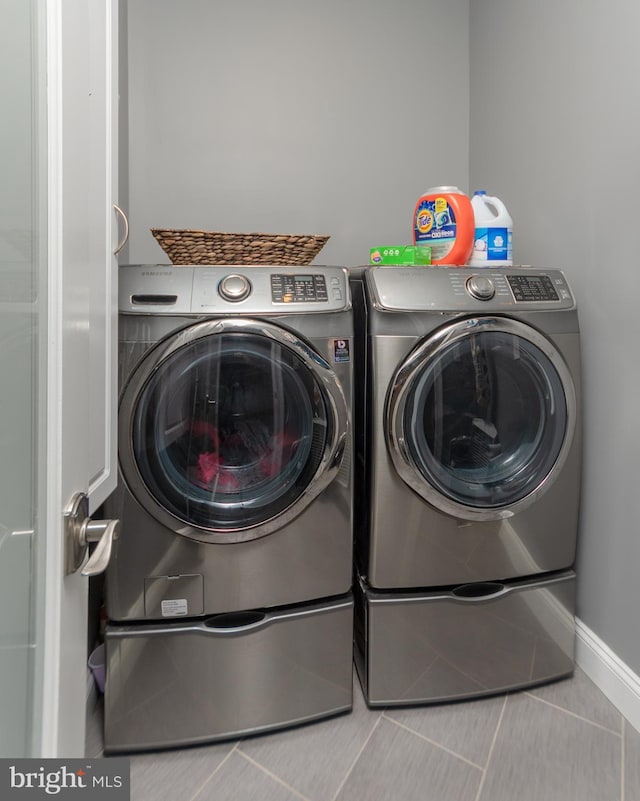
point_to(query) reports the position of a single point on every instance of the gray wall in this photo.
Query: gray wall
(294, 116)
(555, 132)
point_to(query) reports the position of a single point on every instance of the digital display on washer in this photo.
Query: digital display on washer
(532, 287)
(303, 288)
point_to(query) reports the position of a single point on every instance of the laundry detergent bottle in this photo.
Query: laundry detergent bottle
(443, 219)
(492, 242)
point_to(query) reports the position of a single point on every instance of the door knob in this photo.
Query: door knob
(80, 530)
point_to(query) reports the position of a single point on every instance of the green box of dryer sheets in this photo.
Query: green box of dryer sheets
(400, 255)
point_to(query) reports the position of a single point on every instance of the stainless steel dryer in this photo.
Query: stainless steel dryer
(470, 454)
(229, 589)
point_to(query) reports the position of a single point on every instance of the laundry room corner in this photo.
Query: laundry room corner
(562, 151)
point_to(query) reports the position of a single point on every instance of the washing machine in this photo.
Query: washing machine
(468, 463)
(228, 593)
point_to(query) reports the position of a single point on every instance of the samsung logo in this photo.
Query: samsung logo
(154, 272)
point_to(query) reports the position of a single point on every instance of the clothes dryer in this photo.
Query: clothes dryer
(228, 592)
(469, 454)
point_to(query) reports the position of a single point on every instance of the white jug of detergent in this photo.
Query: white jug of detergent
(492, 241)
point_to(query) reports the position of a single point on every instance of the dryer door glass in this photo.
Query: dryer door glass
(485, 419)
(229, 430)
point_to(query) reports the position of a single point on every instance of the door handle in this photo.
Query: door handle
(80, 530)
(125, 237)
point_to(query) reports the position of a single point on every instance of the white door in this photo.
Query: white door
(58, 281)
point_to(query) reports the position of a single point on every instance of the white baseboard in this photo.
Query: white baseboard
(609, 673)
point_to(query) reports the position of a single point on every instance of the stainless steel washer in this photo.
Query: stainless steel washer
(235, 499)
(469, 452)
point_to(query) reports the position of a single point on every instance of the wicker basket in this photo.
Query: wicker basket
(212, 247)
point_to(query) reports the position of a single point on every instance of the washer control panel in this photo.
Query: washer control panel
(299, 288)
(233, 289)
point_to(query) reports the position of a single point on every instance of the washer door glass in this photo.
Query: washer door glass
(483, 416)
(229, 430)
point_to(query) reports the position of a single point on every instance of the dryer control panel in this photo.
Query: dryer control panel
(529, 288)
(468, 289)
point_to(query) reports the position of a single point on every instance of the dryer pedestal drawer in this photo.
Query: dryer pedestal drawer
(226, 676)
(477, 639)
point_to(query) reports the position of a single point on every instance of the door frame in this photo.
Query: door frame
(77, 295)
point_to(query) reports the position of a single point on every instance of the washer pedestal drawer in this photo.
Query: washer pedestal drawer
(226, 676)
(474, 640)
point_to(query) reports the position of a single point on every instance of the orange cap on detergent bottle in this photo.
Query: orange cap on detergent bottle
(443, 219)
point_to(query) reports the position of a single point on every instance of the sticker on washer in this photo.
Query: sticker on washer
(175, 607)
(341, 350)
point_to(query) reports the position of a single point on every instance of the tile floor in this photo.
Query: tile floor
(560, 742)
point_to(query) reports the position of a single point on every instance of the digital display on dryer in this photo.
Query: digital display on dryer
(532, 288)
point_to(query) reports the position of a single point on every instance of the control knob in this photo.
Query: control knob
(480, 288)
(234, 288)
